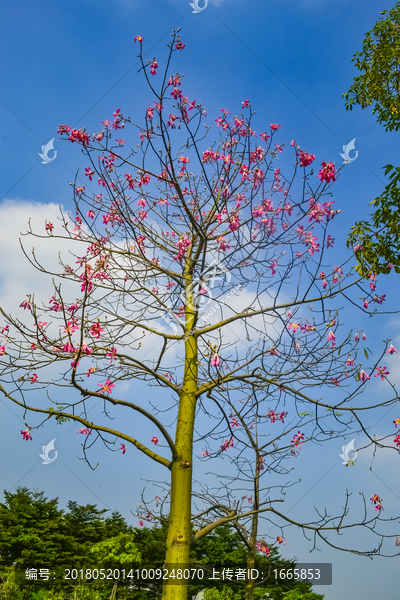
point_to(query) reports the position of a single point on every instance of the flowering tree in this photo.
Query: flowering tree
(210, 285)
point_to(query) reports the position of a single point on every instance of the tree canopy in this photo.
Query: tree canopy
(377, 242)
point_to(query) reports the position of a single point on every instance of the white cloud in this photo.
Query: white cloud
(17, 276)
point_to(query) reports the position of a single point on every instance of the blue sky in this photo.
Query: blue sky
(76, 63)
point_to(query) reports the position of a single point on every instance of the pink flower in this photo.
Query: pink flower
(68, 347)
(112, 354)
(261, 461)
(90, 371)
(95, 330)
(357, 337)
(49, 227)
(85, 431)
(391, 350)
(215, 361)
(297, 439)
(154, 439)
(274, 127)
(305, 159)
(382, 372)
(89, 173)
(86, 349)
(375, 499)
(227, 444)
(328, 172)
(70, 327)
(25, 434)
(180, 46)
(139, 39)
(106, 388)
(364, 376)
(397, 421)
(281, 540)
(2, 350)
(206, 453)
(34, 378)
(262, 546)
(331, 337)
(25, 304)
(397, 440)
(123, 448)
(140, 523)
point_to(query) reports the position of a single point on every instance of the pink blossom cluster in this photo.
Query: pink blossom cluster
(227, 444)
(328, 172)
(183, 244)
(305, 159)
(275, 417)
(75, 135)
(377, 501)
(297, 439)
(318, 211)
(262, 547)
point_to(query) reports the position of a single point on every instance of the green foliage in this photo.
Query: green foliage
(377, 242)
(9, 590)
(296, 595)
(225, 593)
(33, 530)
(117, 552)
(379, 63)
(49, 595)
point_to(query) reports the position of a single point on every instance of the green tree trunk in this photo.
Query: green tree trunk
(179, 530)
